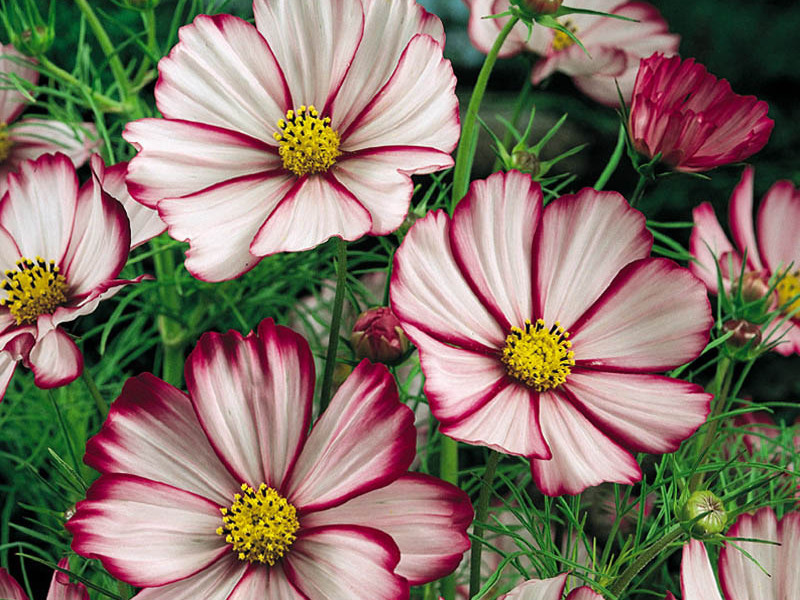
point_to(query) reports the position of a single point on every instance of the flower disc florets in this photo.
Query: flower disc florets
(539, 357)
(788, 290)
(35, 288)
(5, 142)
(260, 525)
(308, 144)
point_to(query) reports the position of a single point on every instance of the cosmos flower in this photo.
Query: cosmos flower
(61, 249)
(549, 589)
(60, 586)
(615, 46)
(305, 126)
(691, 118)
(225, 494)
(29, 138)
(770, 249)
(542, 343)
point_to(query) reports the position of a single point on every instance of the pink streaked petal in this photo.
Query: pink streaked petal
(152, 432)
(654, 316)
(741, 220)
(789, 334)
(582, 455)
(644, 413)
(779, 227)
(220, 223)
(708, 245)
(313, 42)
(8, 364)
(9, 588)
(379, 179)
(491, 237)
(223, 73)
(338, 461)
(603, 89)
(39, 209)
(34, 137)
(426, 517)
(12, 62)
(62, 589)
(345, 562)
(317, 208)
(260, 582)
(388, 28)
(740, 576)
(252, 395)
(146, 533)
(571, 271)
(606, 61)
(584, 593)
(538, 589)
(55, 359)
(177, 158)
(215, 582)
(429, 291)
(483, 31)
(416, 107)
(697, 578)
(788, 575)
(88, 304)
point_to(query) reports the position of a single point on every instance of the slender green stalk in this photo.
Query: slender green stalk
(639, 191)
(466, 145)
(65, 431)
(172, 333)
(94, 392)
(643, 560)
(481, 514)
(336, 319)
(613, 162)
(448, 471)
(103, 102)
(522, 100)
(722, 386)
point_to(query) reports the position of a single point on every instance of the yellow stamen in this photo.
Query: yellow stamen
(308, 144)
(35, 288)
(538, 357)
(788, 289)
(561, 40)
(5, 142)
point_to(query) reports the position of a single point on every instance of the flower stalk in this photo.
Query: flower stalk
(336, 319)
(481, 514)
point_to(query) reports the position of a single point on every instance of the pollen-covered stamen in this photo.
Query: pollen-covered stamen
(561, 40)
(537, 356)
(788, 290)
(260, 525)
(5, 141)
(35, 288)
(308, 143)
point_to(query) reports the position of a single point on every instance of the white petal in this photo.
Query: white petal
(708, 245)
(55, 359)
(215, 582)
(779, 226)
(34, 137)
(14, 63)
(741, 578)
(538, 589)
(697, 578)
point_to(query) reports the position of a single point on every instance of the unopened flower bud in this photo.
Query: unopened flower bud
(714, 516)
(377, 335)
(744, 333)
(753, 287)
(543, 7)
(525, 161)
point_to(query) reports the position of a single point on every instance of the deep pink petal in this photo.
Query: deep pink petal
(740, 577)
(741, 220)
(55, 359)
(147, 533)
(779, 227)
(697, 578)
(61, 588)
(426, 517)
(538, 589)
(216, 582)
(571, 271)
(9, 588)
(13, 62)
(338, 460)
(708, 245)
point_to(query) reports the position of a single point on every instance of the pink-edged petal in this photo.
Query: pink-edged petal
(13, 63)
(55, 359)
(215, 582)
(741, 220)
(253, 397)
(9, 588)
(388, 28)
(606, 61)
(538, 589)
(708, 245)
(342, 562)
(222, 73)
(379, 179)
(152, 431)
(429, 291)
(146, 533)
(654, 316)
(571, 271)
(788, 575)
(39, 209)
(426, 517)
(313, 211)
(34, 137)
(789, 334)
(220, 223)
(492, 236)
(697, 578)
(271, 583)
(644, 413)
(582, 455)
(314, 43)
(483, 30)
(61, 588)
(338, 461)
(584, 593)
(779, 227)
(177, 158)
(88, 304)
(416, 107)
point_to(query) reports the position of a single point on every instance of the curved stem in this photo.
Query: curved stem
(722, 385)
(103, 102)
(481, 513)
(639, 191)
(466, 145)
(613, 162)
(448, 471)
(336, 319)
(172, 333)
(642, 561)
(94, 392)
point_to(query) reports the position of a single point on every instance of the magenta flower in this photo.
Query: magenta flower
(61, 249)
(692, 118)
(278, 137)
(769, 570)
(29, 138)
(539, 330)
(549, 589)
(60, 586)
(225, 494)
(615, 46)
(771, 257)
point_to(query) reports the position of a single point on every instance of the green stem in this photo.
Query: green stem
(642, 560)
(466, 145)
(149, 22)
(65, 431)
(448, 471)
(722, 386)
(639, 191)
(94, 391)
(613, 162)
(481, 515)
(336, 319)
(172, 333)
(103, 102)
(508, 137)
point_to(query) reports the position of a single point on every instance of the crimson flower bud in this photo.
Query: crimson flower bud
(753, 287)
(377, 335)
(745, 333)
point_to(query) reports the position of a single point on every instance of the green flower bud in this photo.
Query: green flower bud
(714, 517)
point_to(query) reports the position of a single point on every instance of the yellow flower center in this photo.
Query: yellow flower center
(538, 357)
(788, 290)
(35, 288)
(561, 40)
(5, 142)
(308, 144)
(260, 524)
